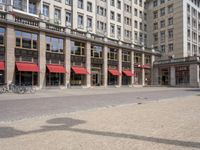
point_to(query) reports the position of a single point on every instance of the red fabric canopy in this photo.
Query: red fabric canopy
(128, 73)
(80, 70)
(56, 68)
(2, 65)
(114, 72)
(28, 67)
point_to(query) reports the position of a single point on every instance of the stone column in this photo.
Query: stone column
(42, 59)
(10, 54)
(155, 75)
(172, 76)
(132, 68)
(194, 75)
(143, 70)
(67, 62)
(152, 69)
(88, 64)
(105, 65)
(120, 67)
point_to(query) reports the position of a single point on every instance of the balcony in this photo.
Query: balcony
(27, 6)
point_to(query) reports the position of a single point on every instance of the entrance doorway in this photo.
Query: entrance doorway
(164, 76)
(96, 77)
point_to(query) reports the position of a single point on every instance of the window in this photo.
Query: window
(26, 40)
(170, 9)
(155, 26)
(119, 17)
(162, 11)
(2, 34)
(2, 1)
(80, 4)
(112, 15)
(54, 44)
(96, 51)
(112, 2)
(118, 31)
(155, 3)
(80, 21)
(162, 36)
(32, 7)
(77, 48)
(68, 2)
(171, 47)
(162, 1)
(112, 29)
(119, 4)
(89, 6)
(155, 14)
(162, 48)
(126, 56)
(170, 34)
(46, 10)
(89, 23)
(162, 24)
(112, 54)
(68, 18)
(57, 14)
(170, 21)
(155, 37)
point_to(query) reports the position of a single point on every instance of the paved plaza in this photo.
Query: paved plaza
(96, 119)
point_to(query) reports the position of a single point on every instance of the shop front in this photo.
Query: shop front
(55, 75)
(126, 77)
(2, 74)
(182, 75)
(78, 76)
(164, 76)
(26, 73)
(113, 76)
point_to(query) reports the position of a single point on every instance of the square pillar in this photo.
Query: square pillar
(42, 59)
(132, 68)
(155, 75)
(88, 64)
(194, 75)
(143, 70)
(120, 67)
(10, 55)
(172, 76)
(67, 51)
(105, 65)
(152, 69)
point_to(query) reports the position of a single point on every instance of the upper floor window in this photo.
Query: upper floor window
(54, 44)
(77, 48)
(162, 1)
(112, 2)
(96, 51)
(26, 40)
(46, 10)
(155, 3)
(162, 11)
(32, 7)
(80, 21)
(170, 9)
(68, 2)
(119, 4)
(57, 14)
(112, 54)
(80, 4)
(68, 18)
(126, 56)
(89, 6)
(3, 1)
(2, 34)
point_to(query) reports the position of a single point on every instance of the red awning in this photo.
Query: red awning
(128, 73)
(146, 66)
(80, 70)
(114, 72)
(27, 67)
(56, 68)
(2, 65)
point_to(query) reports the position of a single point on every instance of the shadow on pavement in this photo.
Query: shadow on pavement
(66, 124)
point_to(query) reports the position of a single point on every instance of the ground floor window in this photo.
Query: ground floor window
(77, 79)
(2, 77)
(54, 79)
(26, 78)
(147, 77)
(138, 76)
(182, 75)
(126, 80)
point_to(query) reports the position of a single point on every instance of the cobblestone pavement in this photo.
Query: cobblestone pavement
(48, 102)
(170, 124)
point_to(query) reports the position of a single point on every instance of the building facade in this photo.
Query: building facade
(174, 30)
(73, 43)
(96, 42)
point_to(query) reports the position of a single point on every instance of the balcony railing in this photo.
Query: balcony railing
(26, 21)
